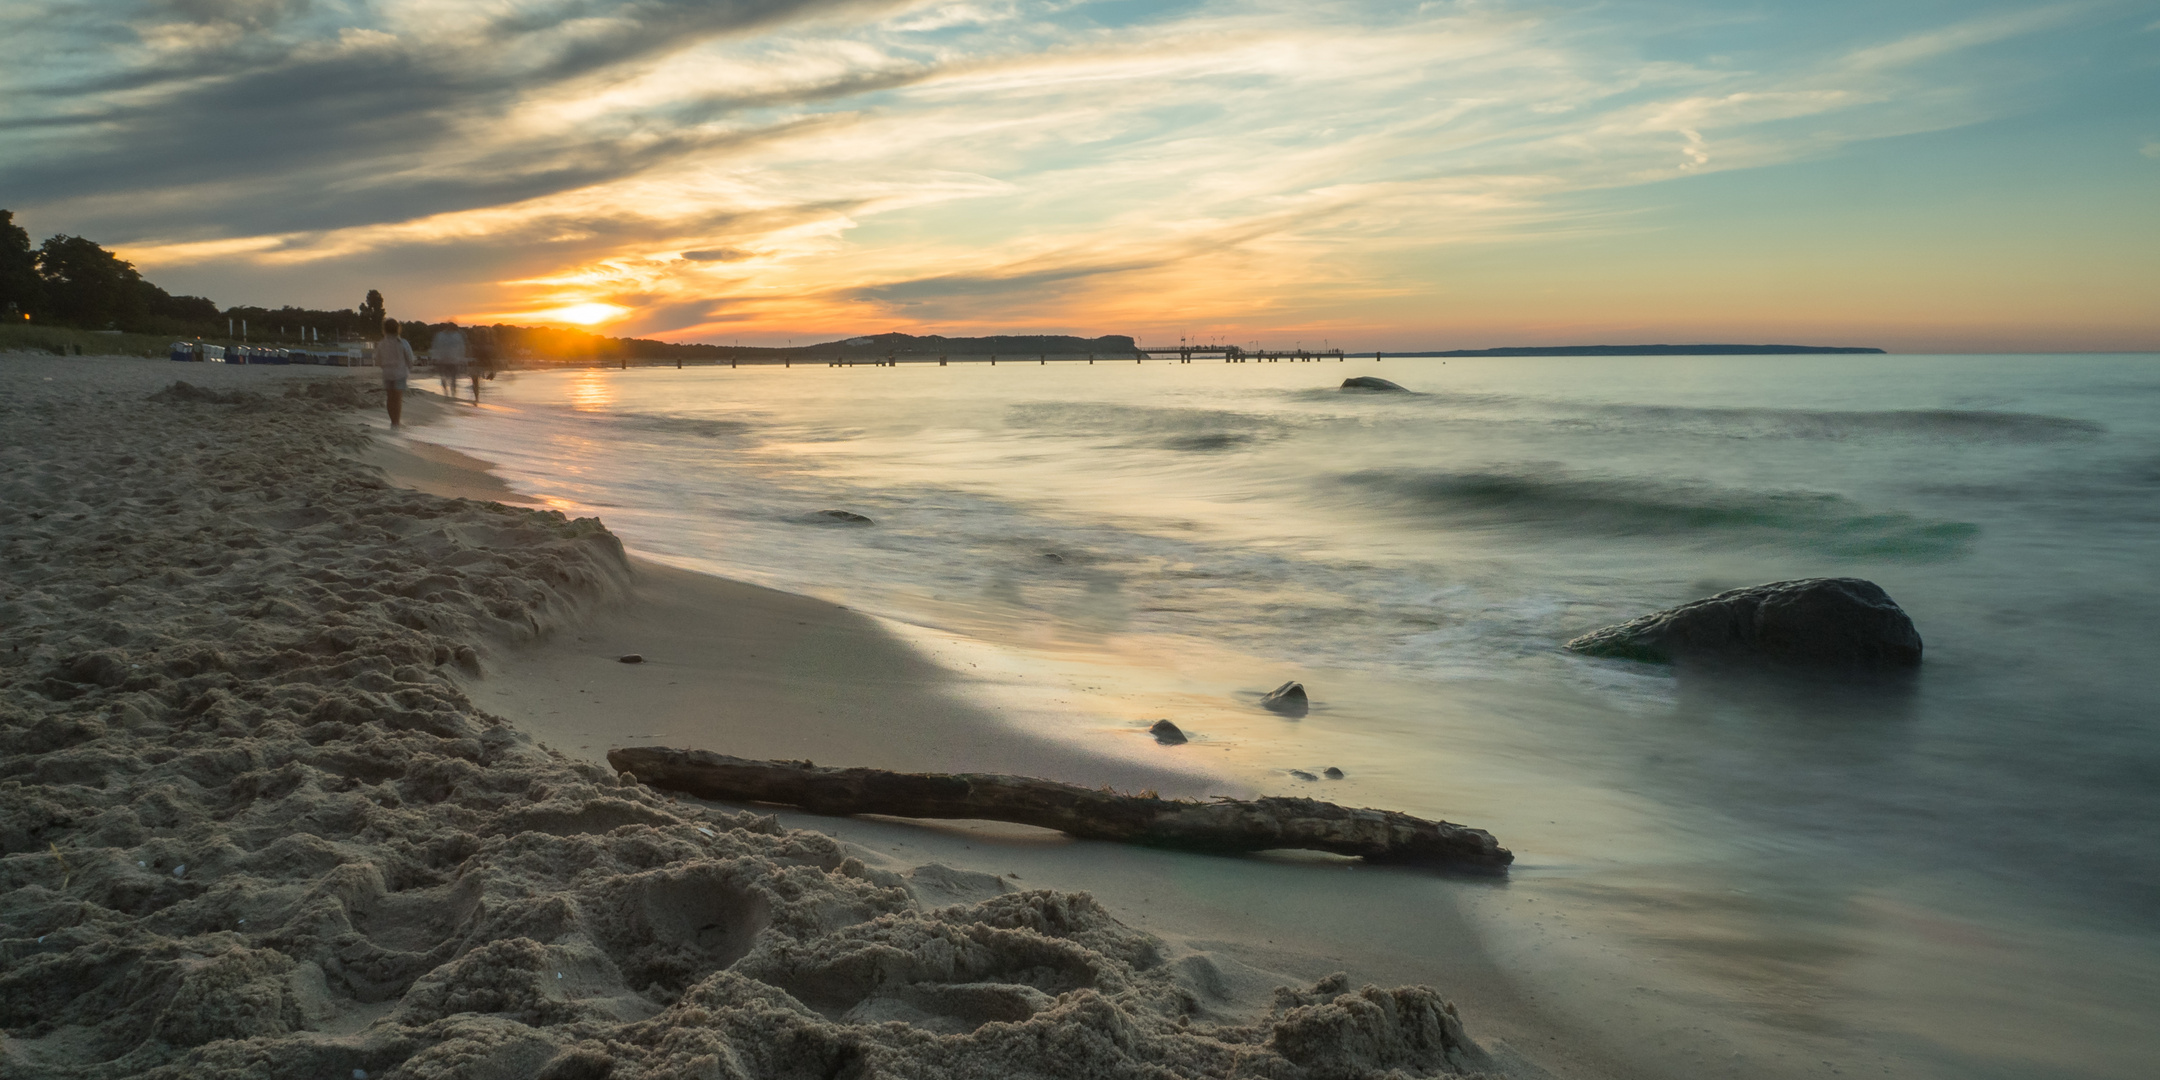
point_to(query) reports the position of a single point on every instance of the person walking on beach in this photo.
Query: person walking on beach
(448, 351)
(395, 359)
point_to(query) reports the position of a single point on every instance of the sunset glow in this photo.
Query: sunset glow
(1392, 176)
(582, 314)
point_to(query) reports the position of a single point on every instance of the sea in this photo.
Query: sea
(1953, 874)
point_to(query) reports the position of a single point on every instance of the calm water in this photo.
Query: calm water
(1955, 876)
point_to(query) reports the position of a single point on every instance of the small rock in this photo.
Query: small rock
(1332, 773)
(1303, 775)
(1053, 556)
(631, 658)
(1372, 382)
(1288, 699)
(1167, 733)
(841, 517)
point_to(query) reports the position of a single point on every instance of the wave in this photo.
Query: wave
(1189, 430)
(1967, 424)
(1975, 425)
(1610, 507)
(682, 425)
(1333, 392)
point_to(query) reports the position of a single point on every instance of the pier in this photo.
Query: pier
(1185, 353)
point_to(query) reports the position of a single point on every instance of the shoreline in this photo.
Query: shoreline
(746, 670)
(1285, 916)
(406, 869)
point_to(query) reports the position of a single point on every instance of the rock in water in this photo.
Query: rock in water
(841, 517)
(1167, 733)
(1372, 382)
(1288, 699)
(1820, 622)
(1332, 773)
(631, 658)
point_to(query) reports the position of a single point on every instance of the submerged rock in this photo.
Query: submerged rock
(841, 517)
(1820, 622)
(1303, 775)
(1167, 733)
(1372, 382)
(1289, 699)
(631, 658)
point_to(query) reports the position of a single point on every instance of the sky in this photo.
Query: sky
(1923, 176)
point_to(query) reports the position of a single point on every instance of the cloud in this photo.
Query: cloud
(785, 161)
(242, 14)
(370, 124)
(1962, 36)
(951, 286)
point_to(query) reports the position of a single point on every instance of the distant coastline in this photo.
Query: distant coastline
(1647, 350)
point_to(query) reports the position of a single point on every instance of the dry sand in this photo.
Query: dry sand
(251, 823)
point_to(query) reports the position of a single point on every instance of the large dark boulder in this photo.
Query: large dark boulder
(1288, 699)
(1372, 382)
(1813, 622)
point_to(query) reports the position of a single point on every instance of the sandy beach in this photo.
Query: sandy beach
(302, 776)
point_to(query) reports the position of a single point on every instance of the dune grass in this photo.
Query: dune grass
(67, 341)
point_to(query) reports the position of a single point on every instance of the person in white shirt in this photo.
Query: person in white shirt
(395, 358)
(448, 352)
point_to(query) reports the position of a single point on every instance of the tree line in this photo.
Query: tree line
(72, 281)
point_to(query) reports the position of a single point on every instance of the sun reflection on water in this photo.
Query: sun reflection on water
(591, 391)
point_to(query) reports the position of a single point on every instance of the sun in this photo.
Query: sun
(584, 314)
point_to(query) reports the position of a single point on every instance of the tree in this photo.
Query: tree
(21, 292)
(85, 285)
(372, 313)
(88, 286)
(191, 310)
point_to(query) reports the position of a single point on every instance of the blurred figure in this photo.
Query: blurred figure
(395, 360)
(486, 358)
(452, 361)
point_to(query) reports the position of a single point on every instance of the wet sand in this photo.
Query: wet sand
(753, 672)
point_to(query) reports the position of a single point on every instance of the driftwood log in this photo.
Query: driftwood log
(1225, 825)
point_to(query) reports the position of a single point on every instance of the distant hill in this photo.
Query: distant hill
(1646, 350)
(1000, 344)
